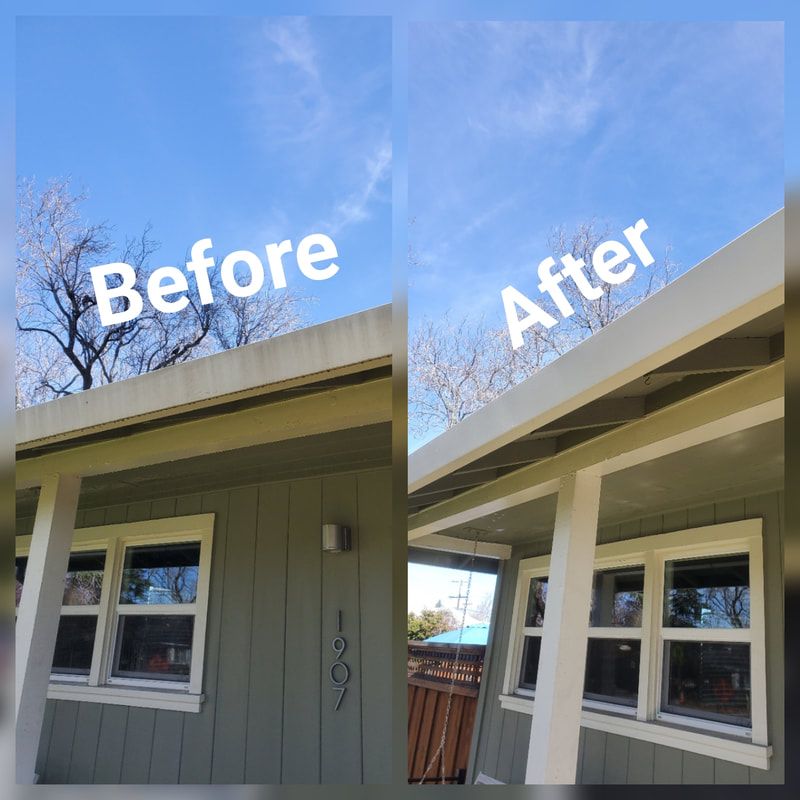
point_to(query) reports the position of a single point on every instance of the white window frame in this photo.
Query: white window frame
(100, 686)
(647, 721)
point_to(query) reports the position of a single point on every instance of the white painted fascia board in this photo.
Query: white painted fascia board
(738, 283)
(339, 347)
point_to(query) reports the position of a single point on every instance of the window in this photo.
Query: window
(675, 640)
(132, 627)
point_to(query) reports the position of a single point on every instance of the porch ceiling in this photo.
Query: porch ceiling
(744, 463)
(717, 322)
(338, 451)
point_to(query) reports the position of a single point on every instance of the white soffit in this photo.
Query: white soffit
(738, 283)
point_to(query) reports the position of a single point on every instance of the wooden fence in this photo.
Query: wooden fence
(432, 669)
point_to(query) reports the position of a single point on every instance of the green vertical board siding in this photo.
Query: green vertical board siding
(167, 742)
(61, 738)
(111, 744)
(667, 764)
(230, 720)
(138, 746)
(84, 747)
(640, 761)
(267, 641)
(375, 568)
(268, 637)
(198, 729)
(607, 758)
(340, 739)
(301, 677)
(594, 757)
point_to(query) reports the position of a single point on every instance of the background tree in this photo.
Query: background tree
(61, 345)
(430, 622)
(457, 366)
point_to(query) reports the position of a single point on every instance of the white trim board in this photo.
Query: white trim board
(736, 751)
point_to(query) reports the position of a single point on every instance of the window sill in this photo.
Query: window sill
(719, 746)
(125, 696)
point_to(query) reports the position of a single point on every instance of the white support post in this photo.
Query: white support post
(39, 612)
(555, 727)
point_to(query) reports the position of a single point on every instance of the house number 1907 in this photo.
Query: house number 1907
(339, 671)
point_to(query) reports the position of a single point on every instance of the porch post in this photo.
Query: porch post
(555, 728)
(39, 611)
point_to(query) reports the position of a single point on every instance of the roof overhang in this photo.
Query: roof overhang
(706, 347)
(325, 352)
(314, 381)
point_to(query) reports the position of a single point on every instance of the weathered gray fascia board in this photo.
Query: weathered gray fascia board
(738, 283)
(342, 346)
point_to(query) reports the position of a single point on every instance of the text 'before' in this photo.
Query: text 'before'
(168, 287)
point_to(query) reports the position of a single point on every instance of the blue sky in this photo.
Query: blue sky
(245, 130)
(518, 127)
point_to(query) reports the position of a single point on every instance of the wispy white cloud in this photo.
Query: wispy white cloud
(355, 207)
(293, 44)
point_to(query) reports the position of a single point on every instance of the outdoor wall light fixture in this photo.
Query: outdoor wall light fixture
(335, 538)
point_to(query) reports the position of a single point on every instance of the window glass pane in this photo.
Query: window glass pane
(537, 597)
(156, 647)
(612, 671)
(74, 645)
(709, 680)
(707, 593)
(162, 573)
(21, 564)
(84, 580)
(530, 662)
(617, 598)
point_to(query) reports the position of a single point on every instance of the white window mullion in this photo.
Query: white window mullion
(645, 706)
(102, 615)
(109, 632)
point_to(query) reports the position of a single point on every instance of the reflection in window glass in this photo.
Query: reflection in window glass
(157, 647)
(84, 581)
(709, 680)
(20, 565)
(530, 662)
(74, 644)
(612, 671)
(707, 593)
(537, 597)
(617, 598)
(160, 574)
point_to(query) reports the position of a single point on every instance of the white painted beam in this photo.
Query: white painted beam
(39, 612)
(556, 723)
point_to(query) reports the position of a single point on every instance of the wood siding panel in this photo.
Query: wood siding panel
(340, 731)
(167, 742)
(268, 637)
(233, 675)
(301, 680)
(375, 569)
